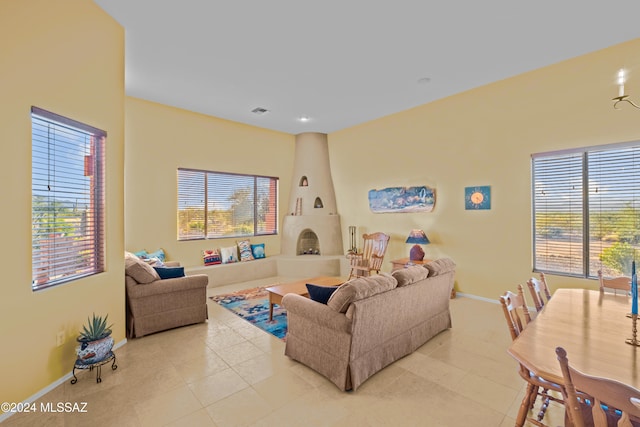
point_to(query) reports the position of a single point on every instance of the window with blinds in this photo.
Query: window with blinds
(67, 199)
(216, 205)
(585, 210)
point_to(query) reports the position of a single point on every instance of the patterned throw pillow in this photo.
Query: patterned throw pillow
(211, 257)
(244, 246)
(229, 254)
(258, 250)
(159, 255)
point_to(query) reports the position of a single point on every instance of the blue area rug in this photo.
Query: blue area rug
(253, 306)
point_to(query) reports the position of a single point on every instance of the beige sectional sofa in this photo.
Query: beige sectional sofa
(370, 322)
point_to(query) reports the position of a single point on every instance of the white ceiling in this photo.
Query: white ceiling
(344, 62)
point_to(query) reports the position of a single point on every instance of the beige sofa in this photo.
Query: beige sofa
(370, 322)
(155, 304)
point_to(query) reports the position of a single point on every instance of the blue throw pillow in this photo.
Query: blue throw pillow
(159, 254)
(170, 272)
(258, 250)
(320, 294)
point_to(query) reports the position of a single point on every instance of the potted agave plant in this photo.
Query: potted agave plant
(95, 340)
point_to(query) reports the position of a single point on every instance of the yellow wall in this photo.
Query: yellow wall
(66, 57)
(161, 139)
(483, 137)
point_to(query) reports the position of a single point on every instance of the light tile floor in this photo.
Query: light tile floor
(227, 372)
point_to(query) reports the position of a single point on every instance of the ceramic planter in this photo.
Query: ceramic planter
(94, 351)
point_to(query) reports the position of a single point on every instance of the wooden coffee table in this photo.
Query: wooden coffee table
(276, 292)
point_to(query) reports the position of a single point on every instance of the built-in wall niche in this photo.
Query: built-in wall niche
(304, 182)
(318, 203)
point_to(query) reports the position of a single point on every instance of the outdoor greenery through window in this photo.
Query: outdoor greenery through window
(214, 205)
(67, 199)
(586, 213)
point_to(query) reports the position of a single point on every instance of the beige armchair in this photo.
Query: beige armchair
(155, 304)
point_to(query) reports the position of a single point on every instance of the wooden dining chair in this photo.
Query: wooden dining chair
(515, 311)
(598, 402)
(517, 316)
(620, 283)
(539, 291)
(370, 259)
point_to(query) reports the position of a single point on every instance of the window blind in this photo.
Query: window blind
(67, 199)
(217, 205)
(585, 210)
(614, 223)
(558, 214)
(266, 205)
(191, 203)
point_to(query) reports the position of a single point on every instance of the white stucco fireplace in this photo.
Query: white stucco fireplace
(311, 227)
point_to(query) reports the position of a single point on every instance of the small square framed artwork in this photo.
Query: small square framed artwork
(476, 198)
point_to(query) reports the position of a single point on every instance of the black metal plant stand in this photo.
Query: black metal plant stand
(98, 365)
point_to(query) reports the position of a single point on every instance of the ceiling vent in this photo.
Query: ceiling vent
(259, 111)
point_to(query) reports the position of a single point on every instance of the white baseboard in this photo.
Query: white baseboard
(53, 385)
(494, 301)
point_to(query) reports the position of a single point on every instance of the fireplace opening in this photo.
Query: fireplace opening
(308, 243)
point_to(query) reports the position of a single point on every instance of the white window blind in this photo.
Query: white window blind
(191, 203)
(67, 199)
(585, 210)
(614, 197)
(216, 205)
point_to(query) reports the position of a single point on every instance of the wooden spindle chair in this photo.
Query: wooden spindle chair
(539, 291)
(517, 316)
(370, 259)
(595, 401)
(620, 283)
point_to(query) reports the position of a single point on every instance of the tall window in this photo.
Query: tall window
(586, 210)
(67, 199)
(214, 204)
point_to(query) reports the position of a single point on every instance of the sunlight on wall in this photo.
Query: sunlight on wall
(482, 137)
(161, 139)
(66, 57)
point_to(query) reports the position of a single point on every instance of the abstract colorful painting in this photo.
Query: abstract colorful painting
(402, 199)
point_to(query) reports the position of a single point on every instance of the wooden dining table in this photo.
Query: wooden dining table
(592, 327)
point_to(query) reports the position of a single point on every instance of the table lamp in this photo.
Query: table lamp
(419, 238)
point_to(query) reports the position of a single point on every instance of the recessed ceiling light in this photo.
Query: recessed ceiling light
(424, 80)
(303, 119)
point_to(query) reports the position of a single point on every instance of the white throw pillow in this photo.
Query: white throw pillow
(229, 254)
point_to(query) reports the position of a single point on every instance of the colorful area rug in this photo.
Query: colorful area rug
(253, 306)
